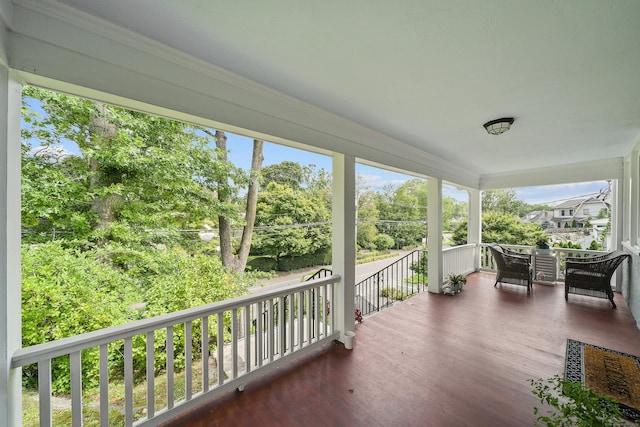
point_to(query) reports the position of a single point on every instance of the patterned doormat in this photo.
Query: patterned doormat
(607, 372)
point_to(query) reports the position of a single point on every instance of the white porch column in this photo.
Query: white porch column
(616, 214)
(344, 238)
(633, 198)
(474, 228)
(434, 239)
(10, 294)
(616, 227)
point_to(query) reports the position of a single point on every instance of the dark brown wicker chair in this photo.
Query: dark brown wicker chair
(592, 276)
(513, 267)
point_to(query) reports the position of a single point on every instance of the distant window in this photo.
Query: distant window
(562, 212)
(570, 211)
(585, 211)
(559, 225)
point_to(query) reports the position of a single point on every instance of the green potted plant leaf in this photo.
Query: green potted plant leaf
(568, 403)
(456, 281)
(542, 245)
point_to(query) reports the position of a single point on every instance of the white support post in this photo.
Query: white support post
(434, 239)
(633, 199)
(616, 227)
(10, 289)
(474, 229)
(344, 239)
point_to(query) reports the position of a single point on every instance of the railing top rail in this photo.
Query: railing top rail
(64, 346)
(553, 249)
(458, 247)
(580, 251)
(506, 245)
(326, 271)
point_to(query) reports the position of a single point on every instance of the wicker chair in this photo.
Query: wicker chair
(513, 267)
(592, 276)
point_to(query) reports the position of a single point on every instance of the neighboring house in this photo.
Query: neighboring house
(575, 213)
(543, 218)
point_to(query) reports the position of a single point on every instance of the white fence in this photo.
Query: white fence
(216, 348)
(458, 260)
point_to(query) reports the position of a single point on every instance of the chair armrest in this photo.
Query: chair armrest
(517, 262)
(509, 252)
(597, 266)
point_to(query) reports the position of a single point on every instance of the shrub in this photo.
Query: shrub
(594, 246)
(422, 265)
(262, 263)
(66, 292)
(395, 294)
(298, 262)
(384, 242)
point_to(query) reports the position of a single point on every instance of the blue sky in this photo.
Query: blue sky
(241, 147)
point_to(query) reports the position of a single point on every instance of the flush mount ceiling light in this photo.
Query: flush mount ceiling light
(496, 127)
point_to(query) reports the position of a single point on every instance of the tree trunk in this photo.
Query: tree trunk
(238, 261)
(224, 196)
(102, 133)
(252, 202)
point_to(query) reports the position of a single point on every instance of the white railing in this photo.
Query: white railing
(215, 348)
(458, 260)
(561, 254)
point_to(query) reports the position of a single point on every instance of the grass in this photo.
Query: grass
(61, 412)
(395, 294)
(417, 279)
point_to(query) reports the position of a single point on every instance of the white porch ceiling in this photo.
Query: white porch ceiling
(429, 73)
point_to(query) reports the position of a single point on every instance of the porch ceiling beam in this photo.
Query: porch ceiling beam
(577, 172)
(47, 37)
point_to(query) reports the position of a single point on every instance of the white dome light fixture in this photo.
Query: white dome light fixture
(499, 126)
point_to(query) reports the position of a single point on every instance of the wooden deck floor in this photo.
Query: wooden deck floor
(433, 360)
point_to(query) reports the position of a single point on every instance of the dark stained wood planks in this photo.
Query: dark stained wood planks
(433, 360)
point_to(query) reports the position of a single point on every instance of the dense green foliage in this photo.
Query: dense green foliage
(568, 245)
(134, 172)
(501, 211)
(501, 228)
(401, 214)
(570, 404)
(67, 290)
(294, 222)
(106, 231)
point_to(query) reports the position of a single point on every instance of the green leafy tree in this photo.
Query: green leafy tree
(500, 228)
(293, 223)
(503, 201)
(368, 216)
(235, 259)
(453, 211)
(403, 212)
(290, 174)
(55, 203)
(135, 172)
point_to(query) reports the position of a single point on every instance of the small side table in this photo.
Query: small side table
(544, 268)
